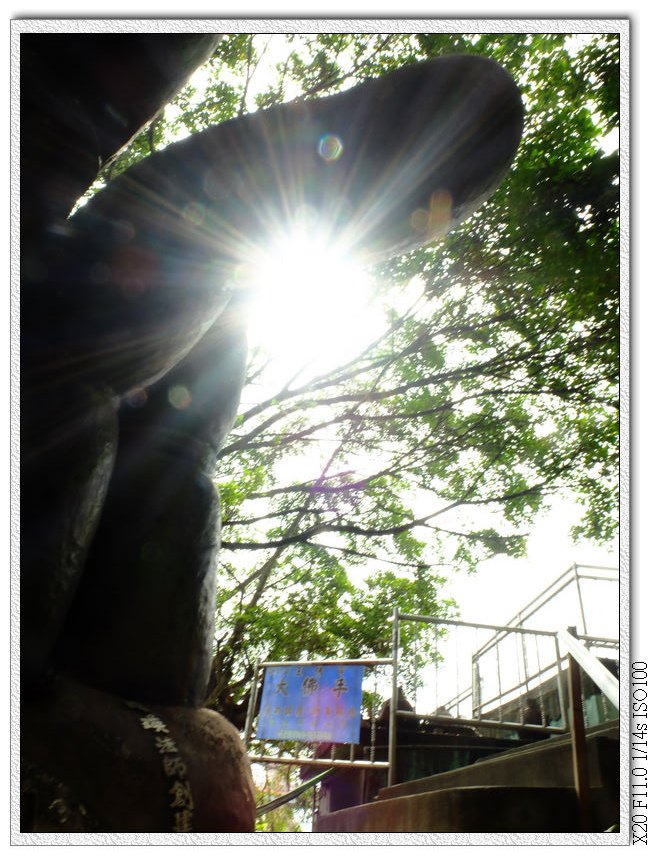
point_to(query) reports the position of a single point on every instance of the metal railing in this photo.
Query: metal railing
(570, 581)
(478, 717)
(570, 652)
(574, 658)
(597, 672)
(579, 658)
(293, 794)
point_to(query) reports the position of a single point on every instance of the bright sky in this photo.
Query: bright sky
(502, 585)
(313, 303)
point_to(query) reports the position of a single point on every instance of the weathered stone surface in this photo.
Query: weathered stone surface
(93, 761)
(464, 809)
(83, 97)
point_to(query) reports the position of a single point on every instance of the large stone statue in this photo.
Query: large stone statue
(133, 353)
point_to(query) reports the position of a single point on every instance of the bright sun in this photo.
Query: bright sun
(311, 301)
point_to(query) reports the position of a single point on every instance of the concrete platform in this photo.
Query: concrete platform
(529, 789)
(463, 809)
(542, 764)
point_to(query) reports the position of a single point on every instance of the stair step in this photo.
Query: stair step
(484, 809)
(544, 764)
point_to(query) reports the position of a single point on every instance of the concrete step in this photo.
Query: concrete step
(464, 809)
(542, 764)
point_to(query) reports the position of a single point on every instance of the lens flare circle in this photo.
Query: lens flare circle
(179, 397)
(330, 147)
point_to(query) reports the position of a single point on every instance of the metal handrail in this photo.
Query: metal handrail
(487, 705)
(446, 721)
(318, 761)
(498, 631)
(434, 620)
(293, 794)
(596, 671)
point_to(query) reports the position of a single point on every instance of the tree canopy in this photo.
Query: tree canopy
(491, 384)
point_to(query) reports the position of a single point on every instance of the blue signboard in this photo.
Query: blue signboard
(311, 703)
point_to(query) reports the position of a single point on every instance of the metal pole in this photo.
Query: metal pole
(392, 722)
(373, 719)
(579, 743)
(524, 655)
(596, 671)
(580, 603)
(325, 662)
(456, 630)
(434, 620)
(312, 761)
(560, 689)
(499, 683)
(251, 704)
(539, 682)
(437, 664)
(293, 794)
(446, 720)
(477, 696)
